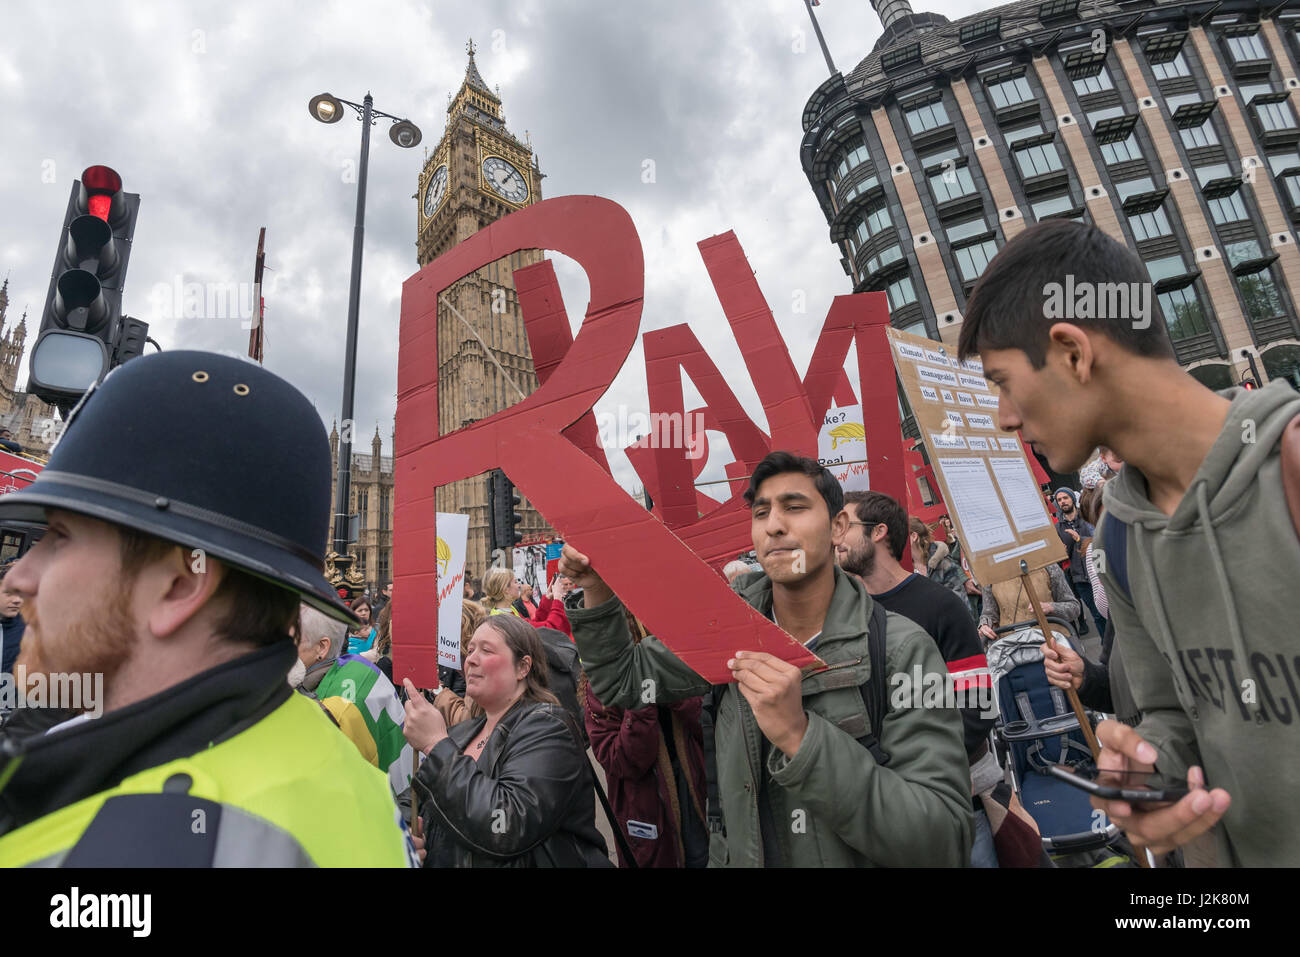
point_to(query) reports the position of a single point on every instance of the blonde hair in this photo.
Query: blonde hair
(495, 583)
(472, 614)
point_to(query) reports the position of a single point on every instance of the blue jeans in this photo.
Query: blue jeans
(982, 852)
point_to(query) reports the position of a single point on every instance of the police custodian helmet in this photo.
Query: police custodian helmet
(208, 451)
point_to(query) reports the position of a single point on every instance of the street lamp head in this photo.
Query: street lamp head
(405, 134)
(325, 108)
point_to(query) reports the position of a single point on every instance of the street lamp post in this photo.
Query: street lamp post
(329, 109)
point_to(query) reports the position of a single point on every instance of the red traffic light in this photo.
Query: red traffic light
(101, 184)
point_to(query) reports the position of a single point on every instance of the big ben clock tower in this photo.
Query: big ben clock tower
(478, 173)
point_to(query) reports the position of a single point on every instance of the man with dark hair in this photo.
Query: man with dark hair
(797, 785)
(873, 549)
(166, 578)
(1199, 544)
(1072, 529)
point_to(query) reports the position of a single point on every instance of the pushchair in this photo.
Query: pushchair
(1036, 728)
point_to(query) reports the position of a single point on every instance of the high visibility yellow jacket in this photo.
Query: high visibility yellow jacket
(288, 791)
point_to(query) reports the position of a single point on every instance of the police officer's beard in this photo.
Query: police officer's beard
(98, 644)
(860, 561)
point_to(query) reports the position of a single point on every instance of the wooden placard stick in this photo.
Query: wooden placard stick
(1050, 641)
(1070, 693)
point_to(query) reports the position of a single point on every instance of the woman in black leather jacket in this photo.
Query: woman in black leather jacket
(510, 787)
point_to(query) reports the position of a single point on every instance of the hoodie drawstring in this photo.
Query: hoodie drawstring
(1166, 644)
(1234, 623)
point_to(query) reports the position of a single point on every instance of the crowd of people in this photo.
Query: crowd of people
(158, 572)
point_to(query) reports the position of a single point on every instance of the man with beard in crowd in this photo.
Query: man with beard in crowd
(1072, 529)
(163, 573)
(872, 550)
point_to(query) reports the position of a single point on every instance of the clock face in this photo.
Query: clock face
(435, 191)
(505, 179)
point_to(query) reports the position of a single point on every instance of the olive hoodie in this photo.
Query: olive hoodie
(831, 805)
(1208, 625)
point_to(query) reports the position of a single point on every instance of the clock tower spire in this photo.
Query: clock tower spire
(478, 173)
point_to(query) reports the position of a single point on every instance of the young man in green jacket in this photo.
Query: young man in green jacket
(1200, 555)
(797, 788)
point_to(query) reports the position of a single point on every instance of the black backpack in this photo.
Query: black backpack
(874, 699)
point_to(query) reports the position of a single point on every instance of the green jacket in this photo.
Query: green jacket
(1207, 625)
(832, 804)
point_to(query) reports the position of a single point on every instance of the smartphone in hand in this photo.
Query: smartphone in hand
(1115, 789)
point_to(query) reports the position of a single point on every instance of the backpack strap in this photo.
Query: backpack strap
(1115, 547)
(873, 690)
(709, 719)
(1291, 470)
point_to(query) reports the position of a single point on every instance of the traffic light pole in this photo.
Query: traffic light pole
(344, 483)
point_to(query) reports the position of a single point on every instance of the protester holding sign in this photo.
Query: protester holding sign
(1199, 529)
(810, 791)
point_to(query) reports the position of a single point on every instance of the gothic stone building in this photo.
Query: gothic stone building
(27, 417)
(478, 173)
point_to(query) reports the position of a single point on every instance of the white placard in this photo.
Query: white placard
(984, 524)
(937, 356)
(955, 418)
(937, 376)
(972, 381)
(910, 352)
(842, 447)
(1020, 492)
(453, 530)
(972, 365)
(965, 398)
(947, 396)
(943, 440)
(986, 401)
(977, 444)
(1010, 445)
(929, 394)
(981, 421)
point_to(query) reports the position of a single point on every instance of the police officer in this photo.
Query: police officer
(186, 508)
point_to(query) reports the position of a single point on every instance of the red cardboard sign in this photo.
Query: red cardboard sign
(705, 623)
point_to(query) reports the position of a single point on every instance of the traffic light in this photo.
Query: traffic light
(503, 501)
(82, 329)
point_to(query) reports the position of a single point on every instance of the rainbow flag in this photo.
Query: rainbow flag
(355, 679)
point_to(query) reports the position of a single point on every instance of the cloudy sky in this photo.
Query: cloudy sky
(202, 109)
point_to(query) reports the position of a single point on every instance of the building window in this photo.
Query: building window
(1243, 49)
(1121, 152)
(1275, 116)
(928, 116)
(965, 230)
(939, 157)
(1150, 225)
(1184, 314)
(1010, 92)
(1248, 91)
(1197, 136)
(952, 183)
(385, 496)
(1166, 267)
(1037, 160)
(363, 500)
(383, 568)
(1227, 209)
(1047, 208)
(879, 261)
(1258, 290)
(1134, 187)
(972, 259)
(1174, 68)
(1093, 84)
(900, 292)
(917, 329)
(858, 189)
(1207, 174)
(1022, 133)
(854, 156)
